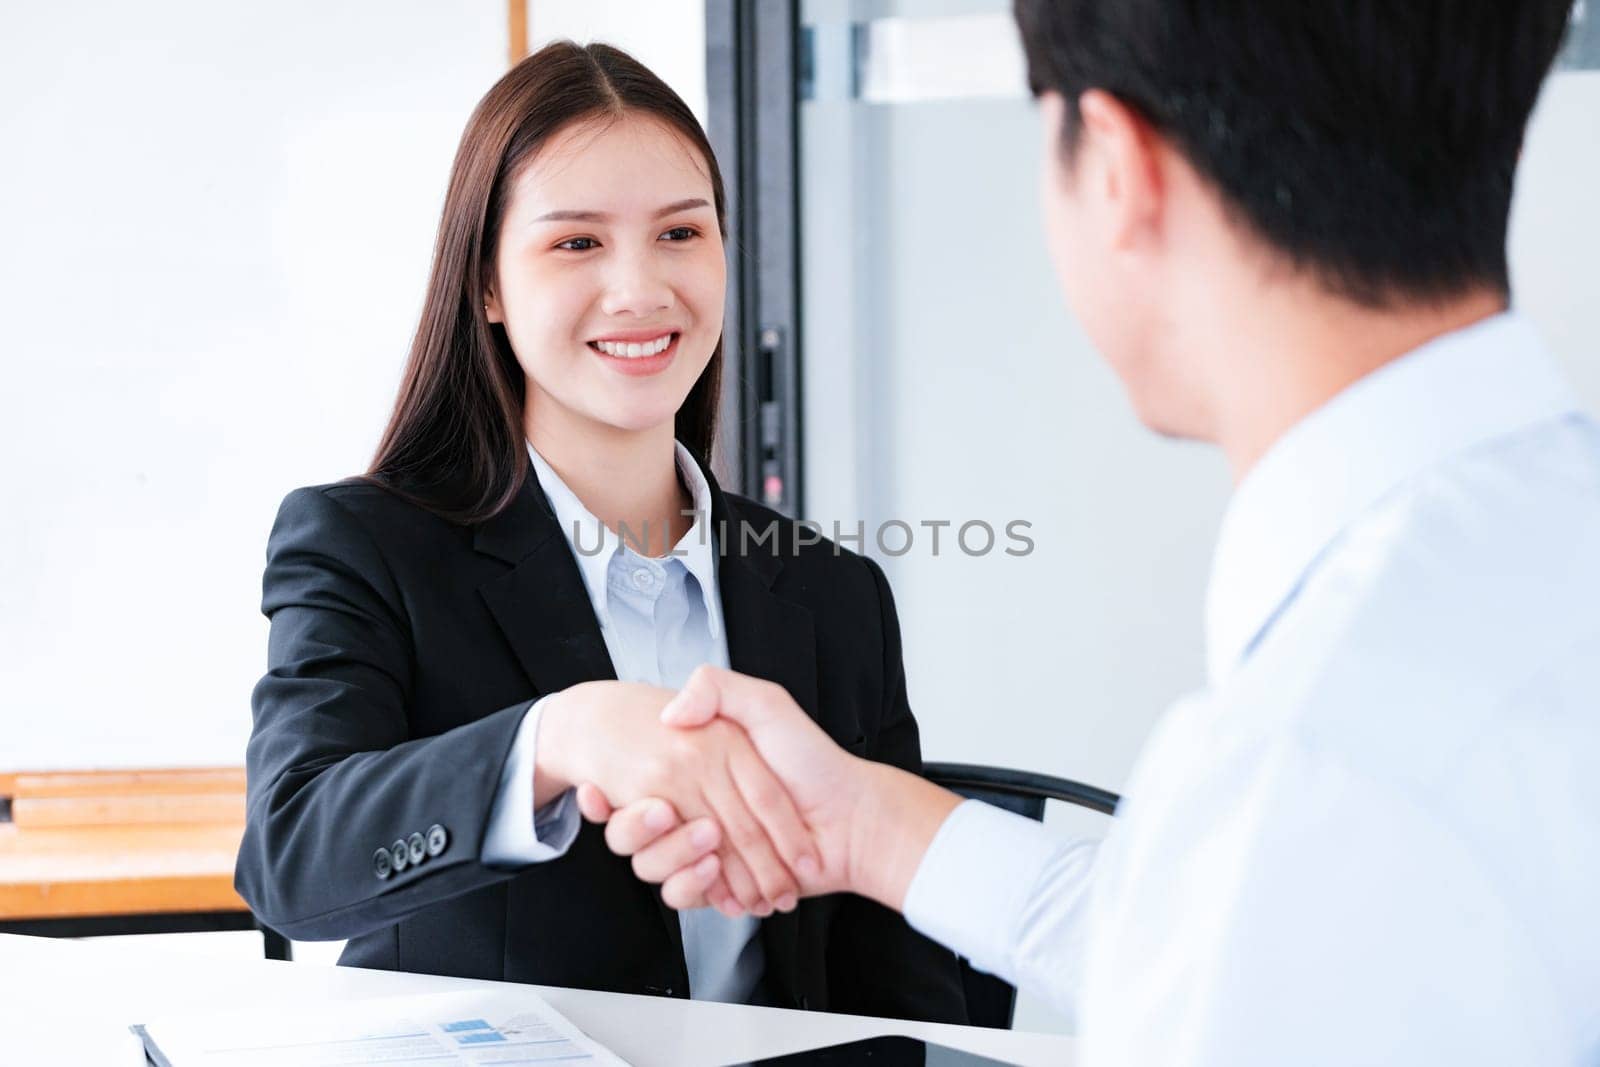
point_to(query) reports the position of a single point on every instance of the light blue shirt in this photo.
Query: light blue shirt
(1375, 836)
(661, 618)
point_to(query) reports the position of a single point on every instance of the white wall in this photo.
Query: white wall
(1555, 225)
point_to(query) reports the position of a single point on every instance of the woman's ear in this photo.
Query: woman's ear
(491, 307)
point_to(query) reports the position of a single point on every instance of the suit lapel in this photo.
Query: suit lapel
(543, 608)
(541, 604)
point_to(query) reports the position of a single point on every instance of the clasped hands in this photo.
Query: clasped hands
(725, 792)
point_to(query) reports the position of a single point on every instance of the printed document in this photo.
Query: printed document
(469, 1028)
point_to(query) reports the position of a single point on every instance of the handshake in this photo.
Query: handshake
(728, 795)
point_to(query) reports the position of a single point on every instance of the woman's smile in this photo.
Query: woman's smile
(637, 353)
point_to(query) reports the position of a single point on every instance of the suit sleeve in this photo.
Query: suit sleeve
(877, 964)
(334, 775)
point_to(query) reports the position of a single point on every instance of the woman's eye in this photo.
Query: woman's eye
(680, 233)
(579, 244)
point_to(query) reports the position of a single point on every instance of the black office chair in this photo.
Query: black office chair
(991, 1001)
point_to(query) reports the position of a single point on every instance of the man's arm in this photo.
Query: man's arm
(1010, 896)
(995, 887)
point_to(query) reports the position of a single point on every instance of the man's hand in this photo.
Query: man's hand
(610, 735)
(871, 823)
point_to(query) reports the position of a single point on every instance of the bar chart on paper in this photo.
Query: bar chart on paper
(468, 1029)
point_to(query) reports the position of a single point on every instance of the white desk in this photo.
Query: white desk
(55, 991)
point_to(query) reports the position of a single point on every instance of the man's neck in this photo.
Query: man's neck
(1283, 362)
(626, 479)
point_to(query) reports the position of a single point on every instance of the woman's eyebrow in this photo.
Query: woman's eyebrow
(571, 215)
(681, 205)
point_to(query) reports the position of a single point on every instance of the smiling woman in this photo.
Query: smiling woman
(548, 166)
(610, 288)
(498, 610)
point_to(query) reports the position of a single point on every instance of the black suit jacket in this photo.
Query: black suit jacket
(405, 650)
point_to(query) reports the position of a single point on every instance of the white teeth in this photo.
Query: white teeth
(635, 351)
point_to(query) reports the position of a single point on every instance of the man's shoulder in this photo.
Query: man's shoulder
(1491, 553)
(1465, 604)
(1494, 550)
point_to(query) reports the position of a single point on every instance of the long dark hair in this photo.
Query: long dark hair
(455, 441)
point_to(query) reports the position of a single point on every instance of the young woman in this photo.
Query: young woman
(539, 520)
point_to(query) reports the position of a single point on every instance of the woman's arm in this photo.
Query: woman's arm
(333, 775)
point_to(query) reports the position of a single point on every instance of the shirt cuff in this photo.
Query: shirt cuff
(517, 834)
(975, 883)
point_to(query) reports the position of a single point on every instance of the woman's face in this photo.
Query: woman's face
(610, 276)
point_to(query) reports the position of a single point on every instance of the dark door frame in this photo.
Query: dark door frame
(752, 59)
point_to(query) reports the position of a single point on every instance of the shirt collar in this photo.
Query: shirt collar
(594, 545)
(699, 550)
(1457, 390)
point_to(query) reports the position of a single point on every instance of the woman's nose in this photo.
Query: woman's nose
(635, 286)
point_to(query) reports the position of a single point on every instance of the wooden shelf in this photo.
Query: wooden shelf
(87, 843)
(55, 873)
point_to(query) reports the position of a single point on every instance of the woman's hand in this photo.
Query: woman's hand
(610, 735)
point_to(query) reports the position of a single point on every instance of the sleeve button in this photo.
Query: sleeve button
(438, 839)
(399, 856)
(381, 868)
(417, 848)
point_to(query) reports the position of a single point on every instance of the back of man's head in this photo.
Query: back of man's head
(1371, 142)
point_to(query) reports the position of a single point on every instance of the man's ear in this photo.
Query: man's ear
(1120, 166)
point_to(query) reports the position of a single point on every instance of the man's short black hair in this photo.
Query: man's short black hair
(1373, 142)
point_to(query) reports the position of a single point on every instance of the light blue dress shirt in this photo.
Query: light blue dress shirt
(661, 618)
(1375, 836)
